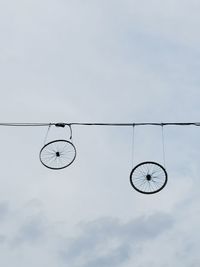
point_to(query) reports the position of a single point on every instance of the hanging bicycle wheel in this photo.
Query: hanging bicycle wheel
(148, 177)
(57, 154)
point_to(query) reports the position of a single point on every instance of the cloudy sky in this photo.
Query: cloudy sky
(99, 61)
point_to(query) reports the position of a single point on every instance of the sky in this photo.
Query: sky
(99, 61)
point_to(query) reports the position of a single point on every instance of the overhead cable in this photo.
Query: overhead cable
(63, 124)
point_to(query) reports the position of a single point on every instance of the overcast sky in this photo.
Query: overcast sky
(99, 61)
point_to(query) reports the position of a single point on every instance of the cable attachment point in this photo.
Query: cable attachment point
(60, 124)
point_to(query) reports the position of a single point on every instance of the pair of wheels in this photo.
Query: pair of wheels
(147, 177)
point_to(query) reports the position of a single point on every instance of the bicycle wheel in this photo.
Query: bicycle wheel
(148, 177)
(57, 154)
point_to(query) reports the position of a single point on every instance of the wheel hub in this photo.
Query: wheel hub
(148, 177)
(57, 154)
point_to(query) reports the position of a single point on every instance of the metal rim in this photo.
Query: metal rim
(148, 177)
(57, 154)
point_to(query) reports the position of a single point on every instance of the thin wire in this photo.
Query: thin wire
(25, 124)
(163, 145)
(70, 128)
(138, 124)
(45, 139)
(133, 147)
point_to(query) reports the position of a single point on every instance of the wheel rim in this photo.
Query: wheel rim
(148, 177)
(58, 154)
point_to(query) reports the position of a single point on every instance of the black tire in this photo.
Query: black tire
(143, 180)
(57, 154)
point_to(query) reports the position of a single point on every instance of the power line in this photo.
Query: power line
(137, 124)
(63, 124)
(25, 124)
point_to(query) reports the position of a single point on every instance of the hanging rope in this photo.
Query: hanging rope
(133, 147)
(163, 145)
(70, 128)
(45, 139)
